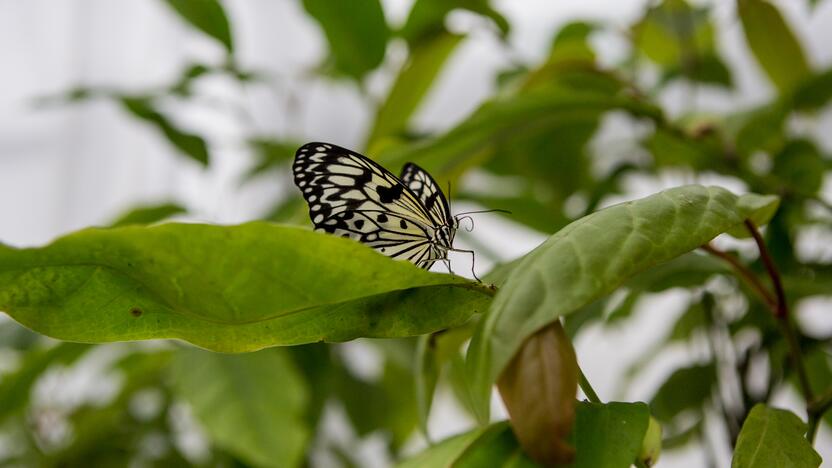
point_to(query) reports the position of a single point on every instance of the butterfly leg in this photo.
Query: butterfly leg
(448, 264)
(472, 261)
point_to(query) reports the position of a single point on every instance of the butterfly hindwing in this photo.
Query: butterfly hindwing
(349, 195)
(429, 193)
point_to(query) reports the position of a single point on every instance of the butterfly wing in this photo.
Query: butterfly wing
(349, 195)
(428, 192)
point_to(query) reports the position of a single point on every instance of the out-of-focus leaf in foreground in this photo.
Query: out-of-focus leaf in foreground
(594, 255)
(234, 289)
(148, 214)
(772, 437)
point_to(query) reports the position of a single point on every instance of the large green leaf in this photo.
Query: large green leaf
(412, 84)
(249, 404)
(772, 437)
(427, 18)
(445, 453)
(208, 16)
(356, 32)
(594, 255)
(237, 288)
(773, 44)
(608, 435)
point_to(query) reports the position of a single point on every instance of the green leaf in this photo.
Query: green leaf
(772, 437)
(270, 154)
(427, 18)
(673, 33)
(762, 129)
(444, 453)
(16, 387)
(593, 256)
(356, 32)
(686, 388)
(236, 288)
(608, 435)
(475, 139)
(571, 43)
(249, 404)
(190, 145)
(800, 167)
(412, 84)
(148, 214)
(208, 16)
(773, 44)
(814, 93)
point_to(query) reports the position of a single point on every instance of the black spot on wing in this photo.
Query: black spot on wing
(390, 194)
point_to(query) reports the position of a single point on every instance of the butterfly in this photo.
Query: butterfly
(350, 195)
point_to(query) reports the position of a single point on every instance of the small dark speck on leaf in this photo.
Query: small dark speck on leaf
(136, 312)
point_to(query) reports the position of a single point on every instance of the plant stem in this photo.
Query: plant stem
(745, 274)
(781, 313)
(587, 388)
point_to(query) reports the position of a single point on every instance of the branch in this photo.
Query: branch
(587, 388)
(781, 313)
(745, 274)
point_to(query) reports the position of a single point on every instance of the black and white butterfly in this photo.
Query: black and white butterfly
(349, 195)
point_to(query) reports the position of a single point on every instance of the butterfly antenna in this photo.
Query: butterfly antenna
(496, 210)
(460, 218)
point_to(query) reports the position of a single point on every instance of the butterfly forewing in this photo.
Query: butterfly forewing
(351, 196)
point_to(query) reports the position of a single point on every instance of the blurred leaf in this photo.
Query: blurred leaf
(538, 388)
(670, 148)
(433, 352)
(609, 435)
(148, 214)
(250, 404)
(773, 44)
(708, 69)
(208, 16)
(270, 155)
(236, 288)
(814, 93)
(474, 140)
(318, 367)
(590, 258)
(427, 18)
(684, 437)
(772, 437)
(690, 321)
(673, 34)
(800, 167)
(819, 371)
(412, 84)
(762, 129)
(291, 210)
(496, 447)
(571, 43)
(183, 86)
(525, 209)
(388, 404)
(686, 388)
(356, 32)
(445, 453)
(16, 387)
(190, 145)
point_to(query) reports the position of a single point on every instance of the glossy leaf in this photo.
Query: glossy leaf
(208, 16)
(773, 44)
(190, 145)
(250, 404)
(609, 435)
(594, 255)
(772, 437)
(237, 288)
(356, 32)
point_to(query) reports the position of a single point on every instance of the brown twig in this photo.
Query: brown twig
(745, 274)
(781, 313)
